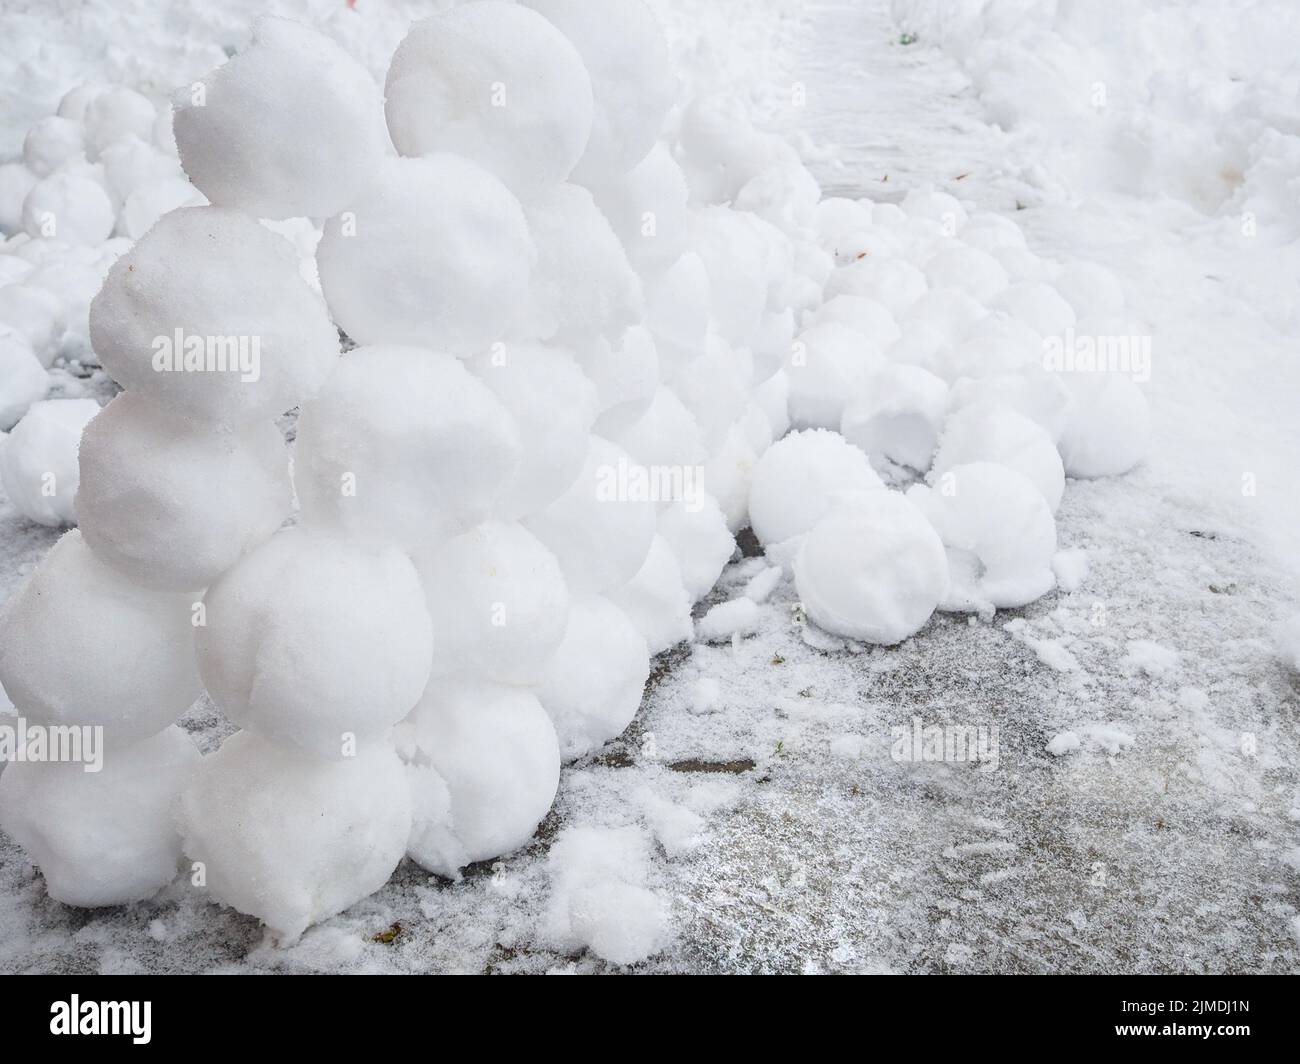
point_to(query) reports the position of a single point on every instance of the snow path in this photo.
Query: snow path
(1167, 842)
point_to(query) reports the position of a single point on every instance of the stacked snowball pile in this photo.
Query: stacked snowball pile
(481, 565)
(92, 178)
(568, 290)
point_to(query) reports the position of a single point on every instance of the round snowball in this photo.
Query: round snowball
(647, 207)
(498, 601)
(600, 529)
(23, 380)
(115, 113)
(36, 315)
(656, 600)
(1039, 306)
(81, 644)
(553, 405)
(38, 462)
(15, 182)
(70, 207)
(700, 540)
(171, 507)
(290, 126)
(899, 417)
(1107, 425)
(872, 570)
(994, 432)
(483, 766)
(50, 143)
(291, 839)
(999, 533)
(403, 445)
(228, 333)
(593, 685)
(625, 53)
(106, 837)
(796, 480)
(496, 83)
(317, 643)
(584, 285)
(436, 253)
(828, 366)
(862, 315)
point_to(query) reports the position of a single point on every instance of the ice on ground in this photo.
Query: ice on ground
(173, 505)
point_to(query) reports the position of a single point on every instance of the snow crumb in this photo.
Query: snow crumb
(1071, 569)
(727, 619)
(1066, 742)
(1149, 658)
(761, 586)
(704, 695)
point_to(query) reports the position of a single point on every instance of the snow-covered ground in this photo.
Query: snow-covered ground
(756, 795)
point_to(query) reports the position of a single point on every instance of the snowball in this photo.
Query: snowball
(729, 473)
(15, 182)
(50, 143)
(994, 344)
(952, 312)
(599, 899)
(496, 83)
(1039, 306)
(291, 839)
(553, 405)
(796, 479)
(785, 194)
(999, 533)
(828, 366)
(290, 126)
(666, 439)
(727, 620)
(898, 417)
(115, 113)
(626, 377)
(992, 432)
(965, 269)
(75, 101)
(36, 315)
(1029, 390)
(626, 55)
(70, 207)
(647, 208)
(38, 462)
(593, 684)
(171, 507)
(498, 601)
(1107, 425)
(773, 398)
(678, 308)
(403, 445)
(892, 283)
(715, 387)
(600, 529)
(720, 149)
(872, 570)
(935, 207)
(23, 379)
(106, 837)
(862, 315)
(1092, 290)
(583, 285)
(316, 643)
(656, 601)
(147, 203)
(435, 253)
(81, 644)
(742, 255)
(483, 766)
(130, 163)
(231, 334)
(700, 541)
